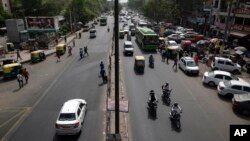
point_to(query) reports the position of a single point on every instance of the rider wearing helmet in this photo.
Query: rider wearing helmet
(175, 108)
(165, 87)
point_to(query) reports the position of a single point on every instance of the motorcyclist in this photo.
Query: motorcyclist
(175, 109)
(151, 59)
(152, 97)
(166, 87)
(81, 53)
(108, 28)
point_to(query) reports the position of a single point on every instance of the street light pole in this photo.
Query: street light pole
(70, 21)
(116, 67)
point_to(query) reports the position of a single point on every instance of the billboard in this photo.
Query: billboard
(42, 24)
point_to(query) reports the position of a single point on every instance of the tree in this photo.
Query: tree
(3, 15)
(160, 10)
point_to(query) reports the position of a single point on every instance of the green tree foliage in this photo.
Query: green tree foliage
(136, 4)
(85, 10)
(161, 10)
(3, 15)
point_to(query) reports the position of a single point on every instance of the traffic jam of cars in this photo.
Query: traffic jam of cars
(226, 61)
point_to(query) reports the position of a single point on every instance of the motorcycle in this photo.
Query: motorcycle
(175, 118)
(166, 96)
(151, 63)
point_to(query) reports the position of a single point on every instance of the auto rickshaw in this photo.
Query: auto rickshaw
(139, 64)
(5, 61)
(172, 51)
(10, 47)
(37, 56)
(11, 70)
(61, 49)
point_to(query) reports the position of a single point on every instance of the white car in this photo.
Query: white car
(128, 48)
(226, 64)
(233, 87)
(188, 65)
(71, 117)
(213, 78)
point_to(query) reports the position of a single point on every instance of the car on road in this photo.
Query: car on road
(71, 117)
(176, 37)
(241, 103)
(221, 63)
(232, 87)
(128, 48)
(126, 30)
(188, 65)
(92, 33)
(214, 77)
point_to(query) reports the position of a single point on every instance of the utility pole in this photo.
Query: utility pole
(227, 21)
(117, 128)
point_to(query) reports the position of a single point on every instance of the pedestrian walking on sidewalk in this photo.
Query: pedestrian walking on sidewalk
(70, 50)
(103, 75)
(175, 63)
(80, 35)
(167, 55)
(18, 55)
(20, 80)
(25, 73)
(86, 51)
(65, 39)
(58, 57)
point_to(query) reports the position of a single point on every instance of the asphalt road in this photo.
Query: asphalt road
(74, 79)
(205, 116)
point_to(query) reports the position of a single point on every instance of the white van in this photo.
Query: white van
(92, 33)
(128, 48)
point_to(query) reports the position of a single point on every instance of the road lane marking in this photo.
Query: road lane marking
(25, 112)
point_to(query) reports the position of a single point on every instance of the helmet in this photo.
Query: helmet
(166, 83)
(175, 104)
(152, 92)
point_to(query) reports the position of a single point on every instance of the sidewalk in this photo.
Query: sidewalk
(25, 54)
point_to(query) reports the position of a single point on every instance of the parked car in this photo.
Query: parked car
(176, 37)
(128, 48)
(168, 32)
(188, 65)
(86, 27)
(220, 63)
(214, 77)
(233, 87)
(241, 103)
(71, 117)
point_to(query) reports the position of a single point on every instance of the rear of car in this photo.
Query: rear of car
(86, 27)
(71, 116)
(92, 33)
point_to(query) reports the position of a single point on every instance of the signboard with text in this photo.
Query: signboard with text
(41, 24)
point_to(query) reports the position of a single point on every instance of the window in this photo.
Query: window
(236, 87)
(81, 105)
(247, 22)
(67, 117)
(229, 63)
(246, 89)
(216, 4)
(218, 76)
(78, 112)
(228, 78)
(220, 62)
(238, 21)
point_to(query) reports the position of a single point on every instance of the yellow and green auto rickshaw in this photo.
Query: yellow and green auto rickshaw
(11, 70)
(37, 56)
(121, 34)
(139, 64)
(60, 49)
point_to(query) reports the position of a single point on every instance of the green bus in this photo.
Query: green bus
(103, 21)
(146, 38)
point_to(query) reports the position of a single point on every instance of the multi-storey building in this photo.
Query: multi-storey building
(239, 21)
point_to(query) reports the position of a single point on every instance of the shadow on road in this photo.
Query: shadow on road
(174, 128)
(66, 137)
(152, 114)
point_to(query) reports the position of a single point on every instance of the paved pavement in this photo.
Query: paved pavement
(25, 54)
